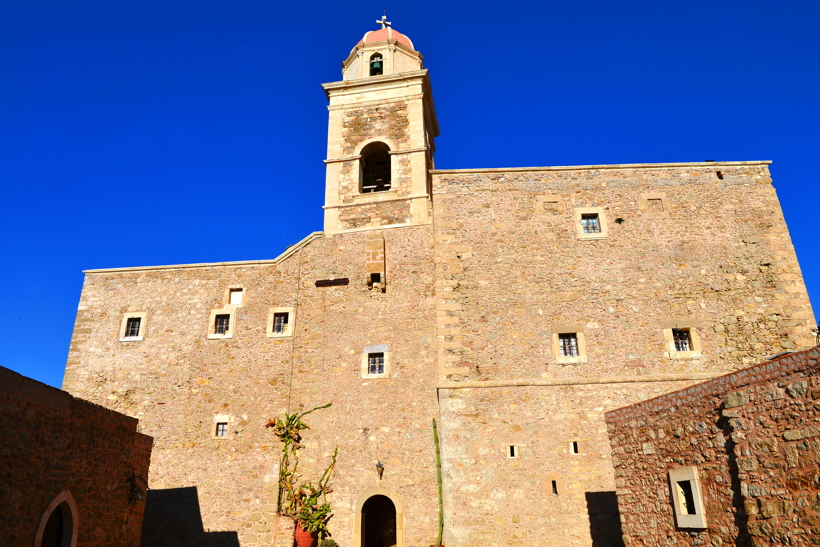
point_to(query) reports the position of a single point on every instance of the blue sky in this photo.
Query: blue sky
(126, 128)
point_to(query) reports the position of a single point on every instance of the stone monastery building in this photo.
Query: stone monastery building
(514, 306)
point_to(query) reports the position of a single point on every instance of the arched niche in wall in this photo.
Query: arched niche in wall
(58, 525)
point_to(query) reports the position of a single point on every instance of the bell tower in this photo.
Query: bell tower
(382, 122)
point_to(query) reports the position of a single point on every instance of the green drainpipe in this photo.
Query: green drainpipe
(438, 472)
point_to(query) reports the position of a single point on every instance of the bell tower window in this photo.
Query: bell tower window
(376, 64)
(375, 168)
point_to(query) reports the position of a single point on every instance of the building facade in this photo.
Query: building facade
(514, 306)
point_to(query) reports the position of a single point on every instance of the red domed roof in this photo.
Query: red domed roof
(386, 34)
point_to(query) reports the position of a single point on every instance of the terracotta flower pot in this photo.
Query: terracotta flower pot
(305, 539)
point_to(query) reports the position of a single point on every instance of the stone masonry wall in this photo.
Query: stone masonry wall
(720, 255)
(510, 272)
(754, 438)
(176, 381)
(53, 442)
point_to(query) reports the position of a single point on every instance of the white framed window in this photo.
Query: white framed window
(132, 328)
(221, 426)
(682, 340)
(280, 322)
(590, 223)
(569, 344)
(376, 361)
(222, 324)
(687, 500)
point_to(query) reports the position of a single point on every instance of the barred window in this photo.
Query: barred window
(280, 322)
(590, 223)
(375, 363)
(132, 327)
(683, 340)
(568, 344)
(222, 323)
(222, 429)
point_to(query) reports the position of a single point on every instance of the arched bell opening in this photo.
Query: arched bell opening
(378, 522)
(376, 64)
(58, 525)
(375, 168)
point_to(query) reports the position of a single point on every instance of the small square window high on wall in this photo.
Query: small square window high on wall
(568, 344)
(591, 224)
(222, 323)
(375, 363)
(221, 429)
(132, 328)
(683, 340)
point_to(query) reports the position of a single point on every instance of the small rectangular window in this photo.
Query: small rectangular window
(687, 499)
(590, 223)
(221, 429)
(235, 297)
(554, 488)
(222, 323)
(513, 451)
(573, 447)
(280, 322)
(655, 205)
(375, 278)
(568, 344)
(682, 339)
(375, 363)
(132, 327)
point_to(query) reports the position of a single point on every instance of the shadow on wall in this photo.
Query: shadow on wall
(172, 519)
(604, 519)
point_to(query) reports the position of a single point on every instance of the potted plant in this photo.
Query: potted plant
(306, 503)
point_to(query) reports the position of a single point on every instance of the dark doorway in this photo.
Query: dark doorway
(59, 528)
(604, 519)
(379, 522)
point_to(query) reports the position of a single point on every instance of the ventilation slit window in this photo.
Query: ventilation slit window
(554, 488)
(687, 499)
(574, 447)
(512, 451)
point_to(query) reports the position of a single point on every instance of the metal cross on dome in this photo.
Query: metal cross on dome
(384, 22)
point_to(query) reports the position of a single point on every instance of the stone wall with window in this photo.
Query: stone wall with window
(521, 289)
(70, 468)
(206, 400)
(752, 439)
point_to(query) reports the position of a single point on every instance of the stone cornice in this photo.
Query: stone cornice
(288, 252)
(601, 167)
